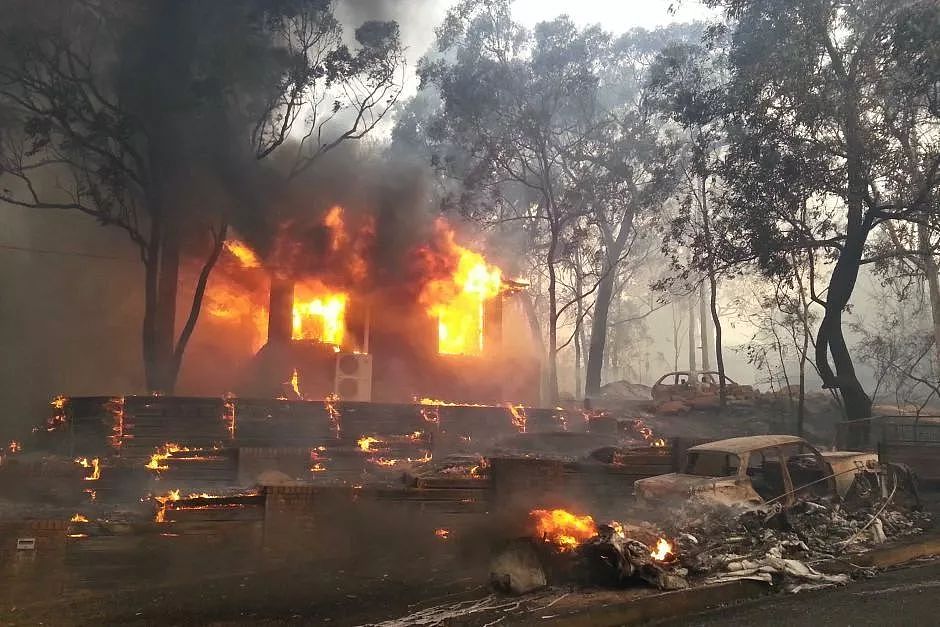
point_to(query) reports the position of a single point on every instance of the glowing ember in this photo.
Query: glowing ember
(662, 550)
(381, 461)
(78, 518)
(517, 415)
(14, 446)
(317, 468)
(645, 432)
(456, 300)
(93, 464)
(115, 407)
(365, 444)
(243, 253)
(330, 403)
(443, 534)
(163, 453)
(562, 528)
(319, 314)
(229, 413)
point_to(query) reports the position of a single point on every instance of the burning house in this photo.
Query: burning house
(326, 318)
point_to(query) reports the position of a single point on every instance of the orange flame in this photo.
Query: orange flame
(94, 465)
(517, 415)
(295, 383)
(330, 403)
(162, 454)
(79, 518)
(243, 253)
(365, 444)
(662, 550)
(319, 314)
(15, 447)
(646, 432)
(562, 528)
(443, 534)
(456, 301)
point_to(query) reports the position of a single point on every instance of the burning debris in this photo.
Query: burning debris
(95, 466)
(562, 528)
(713, 543)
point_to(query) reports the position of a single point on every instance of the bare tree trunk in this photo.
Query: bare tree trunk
(929, 265)
(577, 334)
(165, 311)
(692, 351)
(552, 379)
(703, 321)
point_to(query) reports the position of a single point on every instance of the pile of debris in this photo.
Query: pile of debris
(710, 543)
(782, 545)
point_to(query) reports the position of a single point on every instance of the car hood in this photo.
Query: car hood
(676, 484)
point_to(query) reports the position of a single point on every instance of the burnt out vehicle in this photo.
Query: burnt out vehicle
(681, 385)
(773, 468)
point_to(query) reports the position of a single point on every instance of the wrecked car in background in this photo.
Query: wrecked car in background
(682, 385)
(766, 469)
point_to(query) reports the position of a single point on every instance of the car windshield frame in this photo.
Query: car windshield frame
(718, 464)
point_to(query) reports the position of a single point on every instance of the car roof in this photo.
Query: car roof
(747, 443)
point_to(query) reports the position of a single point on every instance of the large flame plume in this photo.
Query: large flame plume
(456, 298)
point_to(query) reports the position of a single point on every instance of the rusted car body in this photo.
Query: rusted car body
(758, 469)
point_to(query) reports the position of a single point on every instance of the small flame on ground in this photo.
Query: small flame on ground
(14, 447)
(563, 528)
(662, 550)
(443, 534)
(78, 518)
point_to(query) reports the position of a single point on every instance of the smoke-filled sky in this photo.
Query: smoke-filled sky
(418, 18)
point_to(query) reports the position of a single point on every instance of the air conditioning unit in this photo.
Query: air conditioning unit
(353, 377)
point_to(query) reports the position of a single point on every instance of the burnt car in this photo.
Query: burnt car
(681, 385)
(769, 468)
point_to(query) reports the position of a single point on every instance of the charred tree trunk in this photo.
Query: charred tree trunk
(148, 335)
(598, 341)
(196, 306)
(831, 338)
(615, 247)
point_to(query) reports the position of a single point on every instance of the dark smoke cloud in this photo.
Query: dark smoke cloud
(390, 190)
